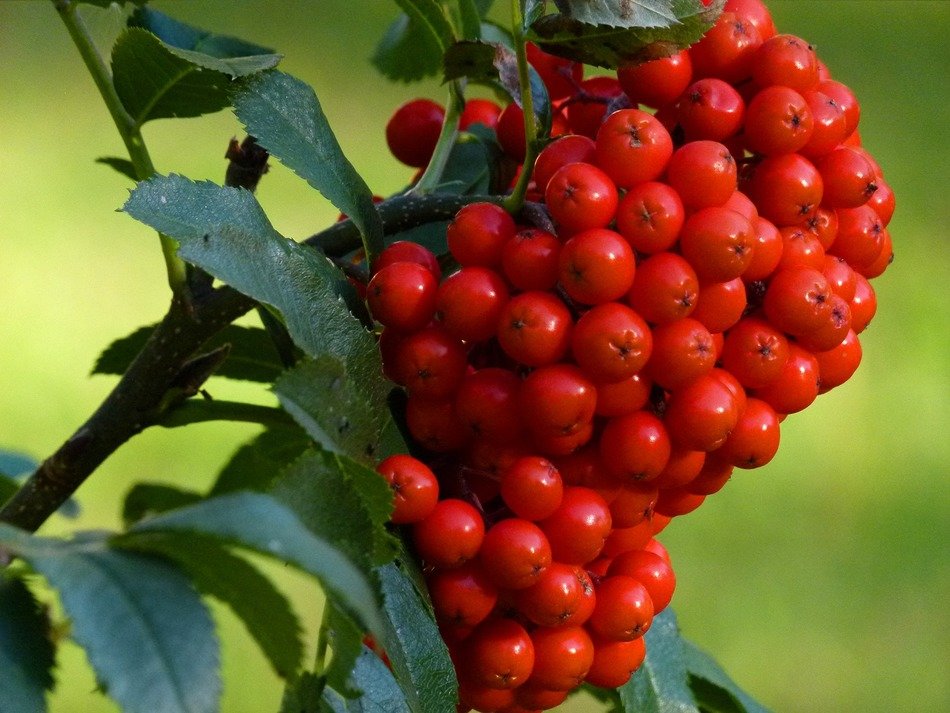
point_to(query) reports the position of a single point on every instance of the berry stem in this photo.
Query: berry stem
(432, 176)
(129, 129)
(515, 200)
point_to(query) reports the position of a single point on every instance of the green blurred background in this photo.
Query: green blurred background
(821, 581)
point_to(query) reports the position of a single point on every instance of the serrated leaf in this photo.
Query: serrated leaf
(470, 19)
(611, 47)
(407, 52)
(304, 695)
(120, 165)
(286, 118)
(146, 499)
(322, 398)
(187, 37)
(661, 684)
(381, 693)
(532, 11)
(497, 65)
(346, 641)
(219, 573)
(620, 13)
(26, 652)
(337, 506)
(145, 630)
(261, 523)
(712, 684)
(156, 80)
(420, 660)
(256, 464)
(251, 357)
(430, 15)
(218, 227)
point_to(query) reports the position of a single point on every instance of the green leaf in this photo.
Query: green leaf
(286, 118)
(261, 523)
(251, 357)
(218, 573)
(341, 504)
(609, 697)
(304, 695)
(146, 632)
(322, 398)
(419, 658)
(156, 80)
(26, 652)
(620, 13)
(147, 499)
(532, 11)
(430, 15)
(380, 692)
(660, 685)
(713, 687)
(346, 640)
(256, 464)
(122, 165)
(407, 52)
(183, 36)
(219, 227)
(609, 46)
(470, 19)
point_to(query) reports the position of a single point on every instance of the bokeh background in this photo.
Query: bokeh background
(821, 582)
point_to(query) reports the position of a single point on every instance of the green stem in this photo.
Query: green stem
(127, 126)
(515, 201)
(198, 411)
(432, 176)
(323, 641)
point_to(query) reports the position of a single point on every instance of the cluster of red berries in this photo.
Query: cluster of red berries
(714, 225)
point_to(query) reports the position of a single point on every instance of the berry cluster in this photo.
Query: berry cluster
(714, 225)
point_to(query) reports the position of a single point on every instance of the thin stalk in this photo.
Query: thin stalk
(323, 642)
(194, 411)
(127, 126)
(432, 176)
(514, 202)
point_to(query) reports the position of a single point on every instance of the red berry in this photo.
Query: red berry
(413, 131)
(414, 485)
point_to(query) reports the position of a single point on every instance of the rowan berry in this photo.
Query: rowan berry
(581, 196)
(657, 82)
(499, 653)
(414, 485)
(611, 342)
(514, 553)
(650, 216)
(477, 234)
(596, 266)
(532, 488)
(632, 147)
(413, 131)
(450, 535)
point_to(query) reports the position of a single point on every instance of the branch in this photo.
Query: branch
(153, 384)
(139, 400)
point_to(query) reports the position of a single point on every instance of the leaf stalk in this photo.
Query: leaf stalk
(128, 129)
(515, 201)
